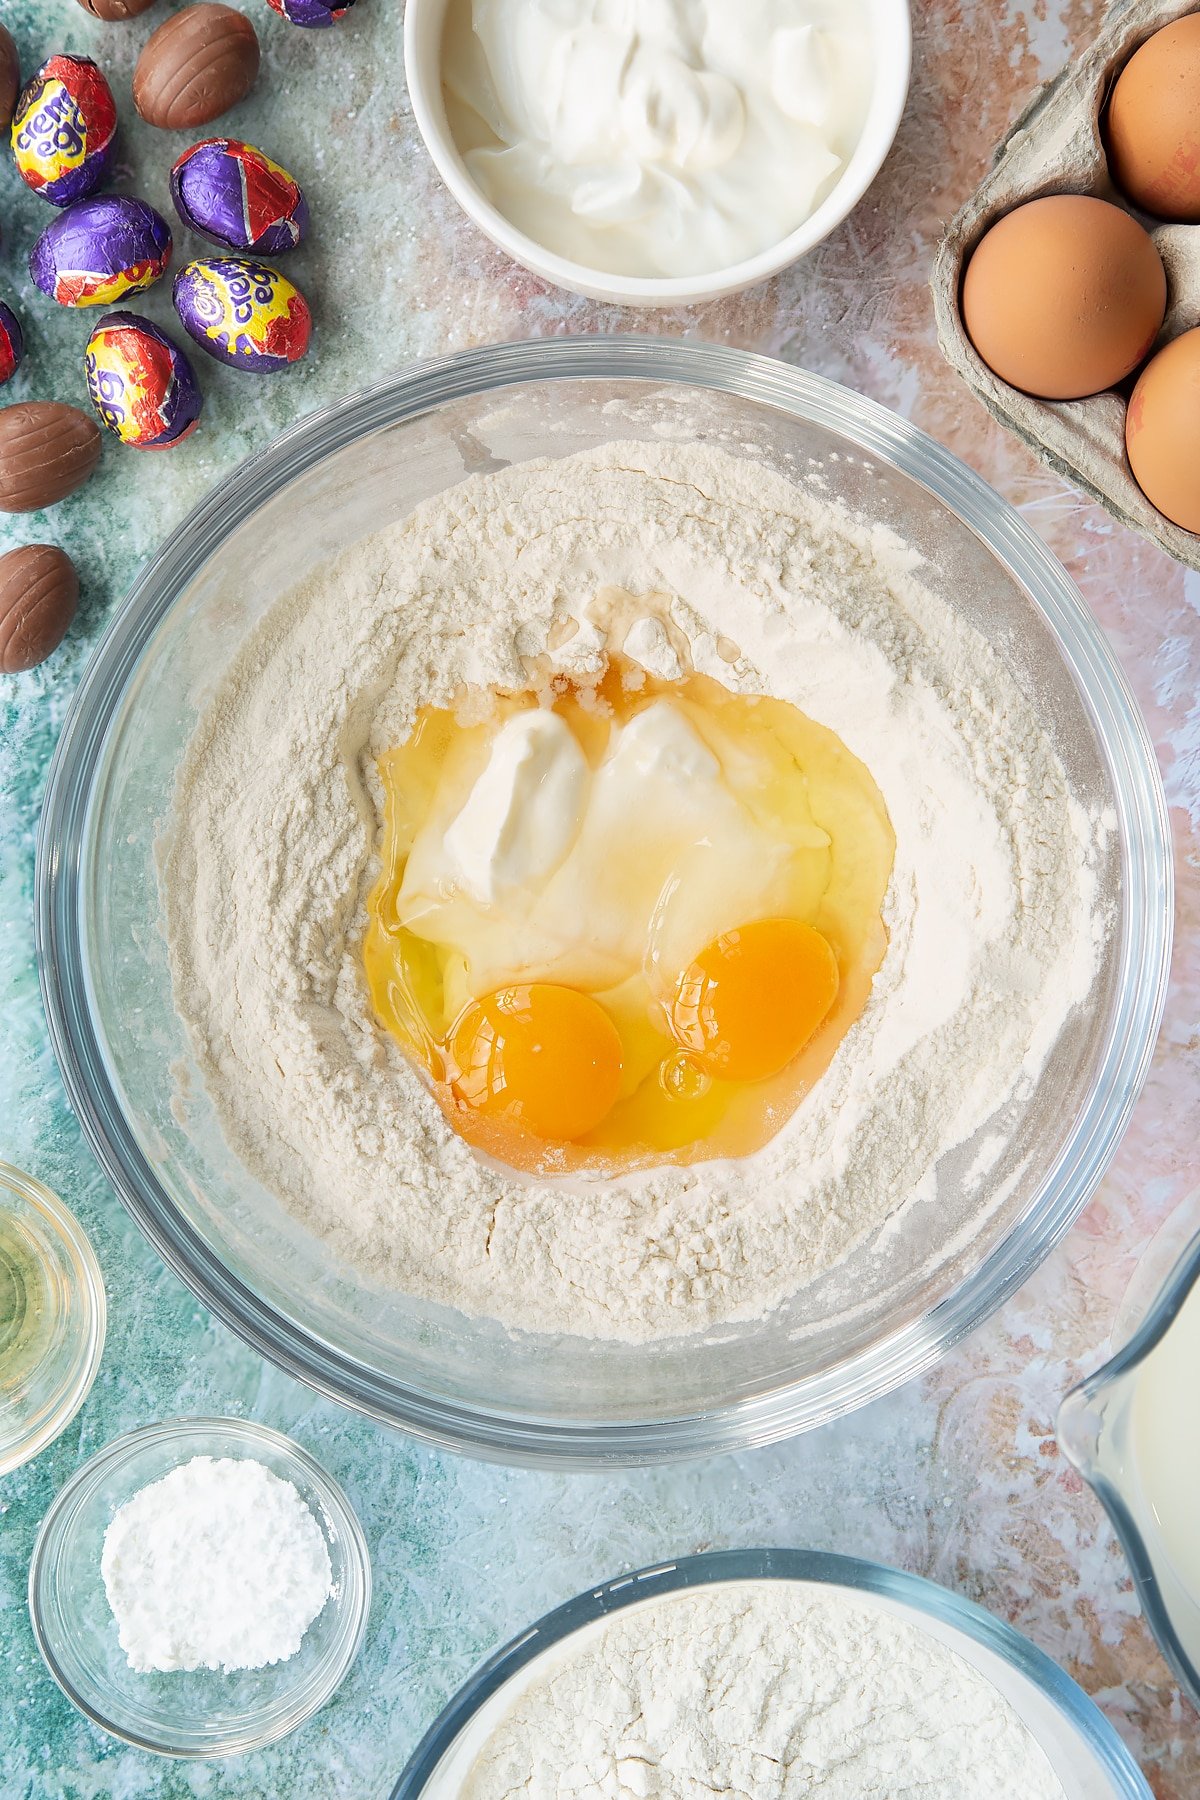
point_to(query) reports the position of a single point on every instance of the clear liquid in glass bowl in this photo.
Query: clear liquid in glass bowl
(52, 1317)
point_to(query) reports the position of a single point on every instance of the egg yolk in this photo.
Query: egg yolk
(754, 997)
(623, 921)
(547, 1059)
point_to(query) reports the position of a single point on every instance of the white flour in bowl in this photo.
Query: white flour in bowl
(776, 1690)
(273, 843)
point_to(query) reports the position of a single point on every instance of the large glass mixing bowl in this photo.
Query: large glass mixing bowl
(125, 1057)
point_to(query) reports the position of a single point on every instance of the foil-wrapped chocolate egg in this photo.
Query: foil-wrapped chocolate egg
(141, 383)
(317, 13)
(12, 343)
(101, 250)
(64, 130)
(245, 314)
(230, 192)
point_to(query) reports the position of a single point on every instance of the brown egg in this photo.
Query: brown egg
(1153, 125)
(1064, 296)
(39, 591)
(1162, 431)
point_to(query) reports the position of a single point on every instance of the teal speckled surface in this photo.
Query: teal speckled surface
(957, 1477)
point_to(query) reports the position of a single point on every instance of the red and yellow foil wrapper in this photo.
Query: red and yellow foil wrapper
(237, 196)
(141, 383)
(12, 343)
(64, 130)
(245, 314)
(101, 250)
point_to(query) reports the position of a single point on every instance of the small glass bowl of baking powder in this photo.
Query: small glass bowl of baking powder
(201, 1712)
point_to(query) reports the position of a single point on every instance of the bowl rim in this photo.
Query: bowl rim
(89, 1294)
(889, 97)
(1066, 1184)
(820, 1568)
(1078, 1426)
(124, 1450)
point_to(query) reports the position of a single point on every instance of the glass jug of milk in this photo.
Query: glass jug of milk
(1133, 1432)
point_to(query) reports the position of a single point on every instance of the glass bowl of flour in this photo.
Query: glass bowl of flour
(168, 1706)
(746, 1670)
(211, 830)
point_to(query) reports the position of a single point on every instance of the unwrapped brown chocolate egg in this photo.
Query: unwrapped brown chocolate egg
(198, 64)
(39, 592)
(1064, 297)
(1153, 124)
(10, 77)
(1162, 431)
(116, 10)
(47, 450)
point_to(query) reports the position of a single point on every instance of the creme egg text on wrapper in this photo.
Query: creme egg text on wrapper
(627, 921)
(245, 314)
(141, 384)
(64, 130)
(100, 250)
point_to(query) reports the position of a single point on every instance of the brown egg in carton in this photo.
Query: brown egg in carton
(1057, 147)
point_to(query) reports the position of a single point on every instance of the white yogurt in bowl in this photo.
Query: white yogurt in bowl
(661, 140)
(657, 153)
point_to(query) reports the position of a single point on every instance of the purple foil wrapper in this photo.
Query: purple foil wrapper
(101, 250)
(12, 343)
(64, 130)
(237, 196)
(245, 314)
(313, 13)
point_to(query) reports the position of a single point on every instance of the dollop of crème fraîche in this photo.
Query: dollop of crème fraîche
(624, 920)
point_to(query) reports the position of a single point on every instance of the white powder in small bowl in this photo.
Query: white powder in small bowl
(219, 1565)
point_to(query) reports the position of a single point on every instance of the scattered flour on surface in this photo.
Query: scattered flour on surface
(780, 1691)
(272, 847)
(218, 1565)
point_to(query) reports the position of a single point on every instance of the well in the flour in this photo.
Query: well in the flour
(624, 920)
(767, 591)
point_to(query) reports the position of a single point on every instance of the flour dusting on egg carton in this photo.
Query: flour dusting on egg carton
(1056, 147)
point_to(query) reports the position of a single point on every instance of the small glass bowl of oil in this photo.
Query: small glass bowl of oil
(1133, 1431)
(52, 1315)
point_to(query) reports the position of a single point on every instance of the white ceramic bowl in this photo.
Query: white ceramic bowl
(891, 31)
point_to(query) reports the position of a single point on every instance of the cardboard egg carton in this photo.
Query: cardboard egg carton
(1056, 147)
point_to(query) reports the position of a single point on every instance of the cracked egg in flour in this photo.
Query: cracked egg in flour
(624, 920)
